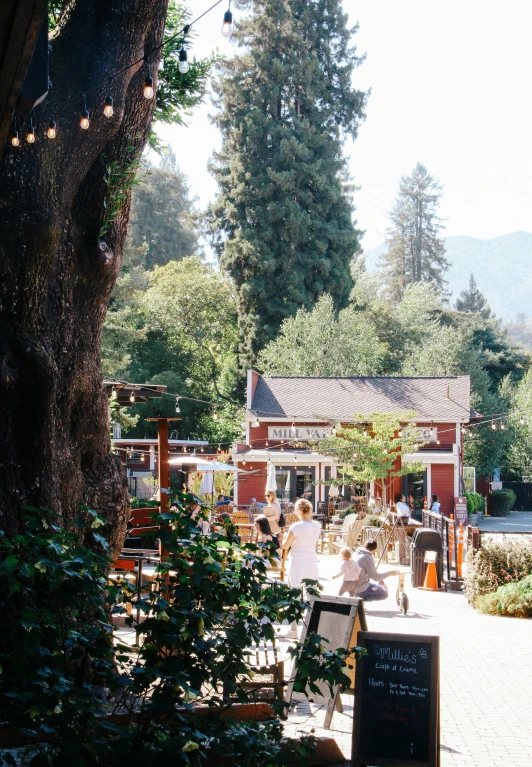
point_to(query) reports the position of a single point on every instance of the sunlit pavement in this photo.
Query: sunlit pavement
(486, 676)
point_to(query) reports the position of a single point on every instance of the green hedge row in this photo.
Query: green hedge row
(496, 564)
(475, 502)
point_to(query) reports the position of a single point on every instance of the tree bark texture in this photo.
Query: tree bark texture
(58, 270)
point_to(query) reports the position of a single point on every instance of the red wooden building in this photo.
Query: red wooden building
(283, 409)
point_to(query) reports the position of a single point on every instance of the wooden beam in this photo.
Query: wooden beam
(20, 23)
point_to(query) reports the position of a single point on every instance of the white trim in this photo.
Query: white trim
(428, 469)
(249, 384)
(152, 457)
(456, 481)
(426, 459)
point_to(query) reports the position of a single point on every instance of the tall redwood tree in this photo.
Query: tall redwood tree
(64, 209)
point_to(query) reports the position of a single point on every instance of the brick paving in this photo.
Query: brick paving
(485, 675)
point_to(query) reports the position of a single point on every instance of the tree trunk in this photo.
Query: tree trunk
(58, 267)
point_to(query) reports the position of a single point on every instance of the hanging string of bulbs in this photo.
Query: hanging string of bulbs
(148, 90)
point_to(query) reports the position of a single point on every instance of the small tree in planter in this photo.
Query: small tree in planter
(373, 448)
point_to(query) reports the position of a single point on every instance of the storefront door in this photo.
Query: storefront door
(414, 488)
(295, 482)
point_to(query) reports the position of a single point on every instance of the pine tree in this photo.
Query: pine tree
(473, 301)
(162, 214)
(416, 252)
(282, 222)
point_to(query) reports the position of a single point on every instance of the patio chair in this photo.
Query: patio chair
(268, 668)
(348, 536)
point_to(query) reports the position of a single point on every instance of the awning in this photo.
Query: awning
(203, 465)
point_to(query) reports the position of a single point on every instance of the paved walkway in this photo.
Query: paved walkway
(486, 677)
(516, 522)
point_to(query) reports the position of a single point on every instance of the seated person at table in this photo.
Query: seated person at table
(363, 588)
(264, 531)
(230, 527)
(402, 508)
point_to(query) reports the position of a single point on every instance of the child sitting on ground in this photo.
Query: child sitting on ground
(349, 571)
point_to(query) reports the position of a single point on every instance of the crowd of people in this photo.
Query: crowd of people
(358, 572)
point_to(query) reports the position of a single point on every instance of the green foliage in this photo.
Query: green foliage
(501, 502)
(520, 447)
(162, 214)
(514, 599)
(120, 178)
(473, 301)
(282, 223)
(372, 520)
(212, 602)
(57, 654)
(322, 342)
(475, 503)
(496, 564)
(345, 513)
(365, 457)
(416, 252)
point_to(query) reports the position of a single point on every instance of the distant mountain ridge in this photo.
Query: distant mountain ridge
(502, 267)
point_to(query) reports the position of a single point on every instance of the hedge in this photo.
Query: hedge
(502, 502)
(496, 564)
(513, 599)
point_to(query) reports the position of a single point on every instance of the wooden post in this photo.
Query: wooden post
(163, 469)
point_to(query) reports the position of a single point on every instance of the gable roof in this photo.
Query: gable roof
(338, 399)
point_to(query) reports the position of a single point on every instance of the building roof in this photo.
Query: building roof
(338, 399)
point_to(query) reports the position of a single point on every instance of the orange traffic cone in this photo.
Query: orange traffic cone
(460, 552)
(431, 578)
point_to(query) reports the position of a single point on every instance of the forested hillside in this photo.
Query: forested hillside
(502, 267)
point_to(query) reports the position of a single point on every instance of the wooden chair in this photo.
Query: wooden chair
(267, 665)
(246, 532)
(240, 518)
(348, 535)
(380, 535)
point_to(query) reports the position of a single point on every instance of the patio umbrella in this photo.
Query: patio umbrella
(207, 483)
(333, 491)
(271, 481)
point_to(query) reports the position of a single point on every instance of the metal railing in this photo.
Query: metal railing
(449, 536)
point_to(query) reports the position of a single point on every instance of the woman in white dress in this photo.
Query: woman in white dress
(301, 540)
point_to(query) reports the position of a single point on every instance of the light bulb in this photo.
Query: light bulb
(227, 26)
(108, 108)
(30, 136)
(142, 458)
(438, 442)
(51, 131)
(215, 416)
(183, 63)
(493, 426)
(113, 393)
(84, 122)
(521, 420)
(399, 433)
(148, 88)
(177, 408)
(15, 141)
(365, 433)
(132, 397)
(503, 426)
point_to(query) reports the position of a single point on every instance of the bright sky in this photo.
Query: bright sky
(450, 86)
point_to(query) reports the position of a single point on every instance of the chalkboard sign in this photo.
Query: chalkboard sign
(397, 701)
(339, 620)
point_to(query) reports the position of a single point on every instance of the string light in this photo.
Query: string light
(215, 416)
(400, 433)
(502, 426)
(365, 432)
(177, 408)
(30, 136)
(227, 26)
(493, 425)
(183, 63)
(132, 397)
(15, 141)
(108, 108)
(84, 121)
(51, 131)
(267, 443)
(142, 457)
(522, 421)
(113, 393)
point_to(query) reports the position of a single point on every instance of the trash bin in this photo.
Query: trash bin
(425, 539)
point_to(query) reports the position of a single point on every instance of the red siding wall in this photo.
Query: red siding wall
(442, 485)
(251, 485)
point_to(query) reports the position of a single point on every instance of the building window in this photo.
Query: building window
(470, 479)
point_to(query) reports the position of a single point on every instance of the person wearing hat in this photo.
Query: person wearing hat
(253, 510)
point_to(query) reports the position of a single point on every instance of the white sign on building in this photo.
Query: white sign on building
(423, 433)
(304, 433)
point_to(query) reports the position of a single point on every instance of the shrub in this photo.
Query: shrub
(213, 601)
(511, 599)
(372, 520)
(496, 564)
(350, 510)
(502, 502)
(475, 503)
